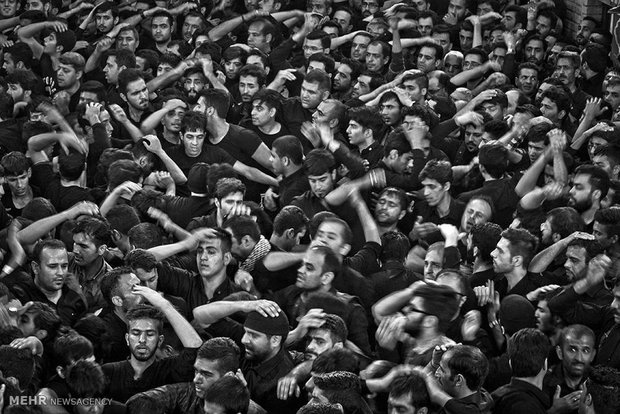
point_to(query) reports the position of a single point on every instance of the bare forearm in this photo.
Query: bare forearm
(542, 260)
(175, 171)
(391, 304)
(150, 123)
(275, 261)
(210, 313)
(184, 330)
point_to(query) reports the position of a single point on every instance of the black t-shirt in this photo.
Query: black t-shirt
(209, 155)
(268, 139)
(61, 197)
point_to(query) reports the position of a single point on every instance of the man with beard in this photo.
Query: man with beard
(590, 186)
(263, 336)
(527, 79)
(511, 259)
(606, 230)
(391, 207)
(194, 81)
(584, 29)
(49, 266)
(216, 358)
(167, 123)
(345, 77)
(567, 69)
(144, 370)
(116, 287)
(133, 91)
(251, 80)
(576, 350)
(423, 311)
(161, 30)
(192, 22)
(115, 63)
(315, 88)
(319, 267)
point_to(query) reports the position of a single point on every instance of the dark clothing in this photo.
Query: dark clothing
(121, 383)
(209, 155)
(181, 210)
(291, 301)
(528, 283)
(60, 196)
(88, 285)
(292, 186)
(429, 215)
(11, 137)
(268, 139)
(555, 377)
(520, 397)
(268, 281)
(371, 155)
(181, 399)
(502, 193)
(601, 319)
(9, 205)
(190, 286)
(262, 378)
(70, 307)
(113, 344)
(477, 403)
(594, 85)
(392, 277)
(294, 115)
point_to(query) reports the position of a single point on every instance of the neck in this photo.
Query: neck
(291, 170)
(118, 311)
(217, 128)
(172, 137)
(212, 283)
(140, 366)
(572, 382)
(162, 47)
(279, 242)
(68, 183)
(134, 113)
(463, 392)
(270, 128)
(73, 89)
(51, 295)
(588, 215)
(367, 143)
(94, 266)
(426, 337)
(536, 381)
(443, 208)
(322, 288)
(514, 276)
(386, 228)
(480, 265)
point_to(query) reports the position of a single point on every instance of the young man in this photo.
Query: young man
(390, 209)
(364, 131)
(251, 80)
(17, 173)
(143, 370)
(528, 350)
(266, 106)
(287, 160)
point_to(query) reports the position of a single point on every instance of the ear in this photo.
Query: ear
(117, 301)
(393, 155)
(430, 321)
(246, 241)
(272, 112)
(562, 114)
(101, 249)
(344, 250)
(422, 410)
(123, 97)
(116, 236)
(447, 186)
(60, 371)
(325, 95)
(555, 237)
(424, 90)
(20, 65)
(333, 123)
(35, 268)
(127, 339)
(269, 38)
(327, 278)
(402, 214)
(334, 175)
(161, 341)
(289, 233)
(79, 74)
(59, 49)
(227, 258)
(115, 21)
(596, 194)
(41, 334)
(558, 352)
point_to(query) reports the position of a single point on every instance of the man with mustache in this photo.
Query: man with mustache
(567, 69)
(251, 80)
(590, 186)
(602, 319)
(576, 351)
(49, 266)
(144, 370)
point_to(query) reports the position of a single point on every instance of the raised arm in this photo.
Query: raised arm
(254, 174)
(184, 330)
(150, 123)
(222, 29)
(152, 144)
(26, 34)
(119, 114)
(210, 313)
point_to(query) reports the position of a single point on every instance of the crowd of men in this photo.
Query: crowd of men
(309, 206)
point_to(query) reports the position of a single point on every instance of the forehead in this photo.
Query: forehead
(341, 14)
(83, 238)
(374, 48)
(160, 20)
(248, 79)
(473, 58)
(581, 179)
(215, 243)
(331, 227)
(479, 205)
(48, 254)
(576, 252)
(314, 258)
(583, 340)
(136, 85)
(204, 364)
(361, 39)
(534, 43)
(144, 324)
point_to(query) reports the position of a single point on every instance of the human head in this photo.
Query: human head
(286, 154)
(128, 39)
(331, 334)
(546, 21)
(429, 57)
(576, 349)
(289, 226)
(227, 395)
(484, 239)
(215, 358)
(314, 89)
(567, 68)
(555, 104)
(106, 17)
(408, 394)
(560, 223)
(132, 89)
(365, 126)
(18, 56)
(590, 186)
(264, 336)
(116, 62)
(578, 253)
(49, 265)
(607, 226)
(251, 80)
(70, 70)
(359, 46)
(161, 26)
(214, 254)
(436, 178)
(91, 237)
(514, 250)
(320, 167)
(527, 351)
(261, 34)
(462, 367)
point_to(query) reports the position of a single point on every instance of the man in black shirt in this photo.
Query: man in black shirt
(143, 370)
(528, 350)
